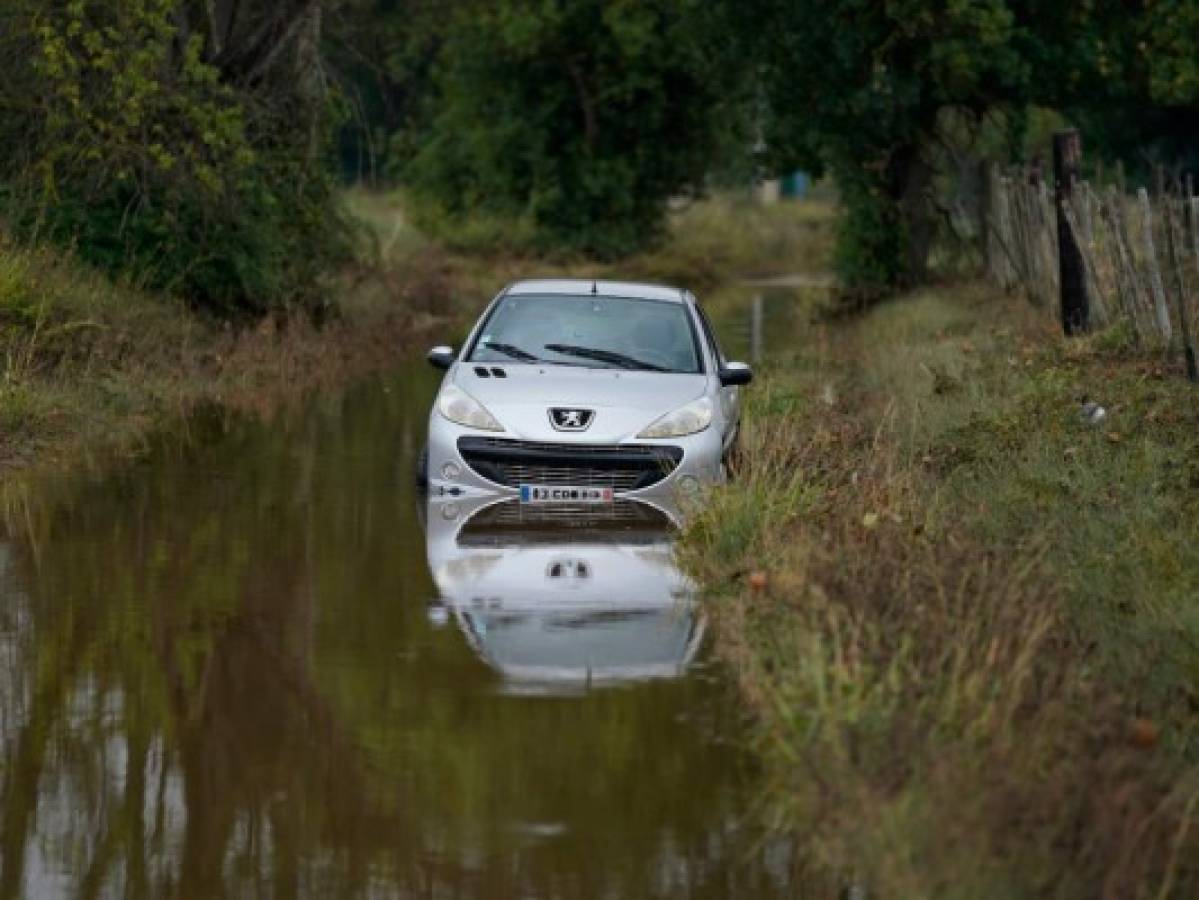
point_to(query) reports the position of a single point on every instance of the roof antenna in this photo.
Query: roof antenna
(594, 290)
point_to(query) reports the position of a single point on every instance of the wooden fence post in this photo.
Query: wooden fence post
(1158, 289)
(1144, 305)
(1086, 219)
(1173, 240)
(986, 217)
(1192, 220)
(1072, 280)
(1123, 269)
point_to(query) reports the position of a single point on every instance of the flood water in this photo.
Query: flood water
(257, 664)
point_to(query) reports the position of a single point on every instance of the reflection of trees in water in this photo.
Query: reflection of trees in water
(172, 643)
(261, 750)
(173, 725)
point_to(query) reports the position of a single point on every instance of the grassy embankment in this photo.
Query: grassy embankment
(966, 618)
(89, 367)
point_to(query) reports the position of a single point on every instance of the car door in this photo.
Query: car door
(730, 397)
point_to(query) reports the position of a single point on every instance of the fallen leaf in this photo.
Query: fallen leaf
(1143, 734)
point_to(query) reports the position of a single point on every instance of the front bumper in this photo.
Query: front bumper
(466, 462)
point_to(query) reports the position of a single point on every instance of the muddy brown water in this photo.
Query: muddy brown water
(256, 664)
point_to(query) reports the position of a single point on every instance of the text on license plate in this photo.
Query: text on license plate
(535, 493)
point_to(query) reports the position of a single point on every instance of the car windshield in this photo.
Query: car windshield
(598, 332)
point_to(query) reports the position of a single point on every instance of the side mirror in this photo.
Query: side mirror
(441, 357)
(736, 373)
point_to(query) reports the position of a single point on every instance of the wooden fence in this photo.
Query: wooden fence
(1140, 254)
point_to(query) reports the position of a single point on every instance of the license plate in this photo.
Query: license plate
(543, 494)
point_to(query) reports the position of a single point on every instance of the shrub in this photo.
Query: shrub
(131, 139)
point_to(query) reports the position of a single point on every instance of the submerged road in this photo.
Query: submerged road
(257, 663)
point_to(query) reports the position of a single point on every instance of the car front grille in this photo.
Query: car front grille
(511, 522)
(622, 467)
(583, 476)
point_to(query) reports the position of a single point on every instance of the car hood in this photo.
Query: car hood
(624, 401)
(559, 647)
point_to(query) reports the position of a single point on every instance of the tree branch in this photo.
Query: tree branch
(265, 63)
(586, 102)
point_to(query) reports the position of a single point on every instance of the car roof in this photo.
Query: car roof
(597, 288)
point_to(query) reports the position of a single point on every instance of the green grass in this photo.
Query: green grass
(962, 614)
(724, 237)
(707, 243)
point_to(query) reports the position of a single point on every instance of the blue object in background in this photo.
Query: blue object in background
(794, 185)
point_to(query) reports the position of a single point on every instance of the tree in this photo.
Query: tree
(1137, 99)
(381, 53)
(860, 89)
(580, 118)
(872, 92)
(182, 143)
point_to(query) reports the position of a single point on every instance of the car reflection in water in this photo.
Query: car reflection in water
(558, 599)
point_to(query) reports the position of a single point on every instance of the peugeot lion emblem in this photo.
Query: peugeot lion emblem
(571, 419)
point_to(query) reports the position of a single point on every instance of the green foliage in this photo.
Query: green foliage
(132, 141)
(582, 118)
(384, 51)
(1169, 54)
(889, 95)
(859, 88)
(869, 256)
(1137, 100)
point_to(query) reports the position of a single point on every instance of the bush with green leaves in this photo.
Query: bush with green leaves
(169, 151)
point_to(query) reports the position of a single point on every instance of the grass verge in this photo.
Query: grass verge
(92, 368)
(965, 616)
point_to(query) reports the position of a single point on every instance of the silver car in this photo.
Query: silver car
(584, 392)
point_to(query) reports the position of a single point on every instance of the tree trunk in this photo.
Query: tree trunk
(909, 179)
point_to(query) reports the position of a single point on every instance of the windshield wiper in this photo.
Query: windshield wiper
(511, 350)
(607, 356)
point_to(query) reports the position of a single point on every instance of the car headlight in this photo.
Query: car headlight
(695, 416)
(460, 407)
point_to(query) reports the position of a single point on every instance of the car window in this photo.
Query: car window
(597, 332)
(710, 335)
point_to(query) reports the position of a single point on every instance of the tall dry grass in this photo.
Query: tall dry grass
(935, 719)
(727, 236)
(92, 367)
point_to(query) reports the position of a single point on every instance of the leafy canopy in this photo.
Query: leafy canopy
(579, 118)
(860, 88)
(875, 91)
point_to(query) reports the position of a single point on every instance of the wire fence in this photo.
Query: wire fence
(1140, 254)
